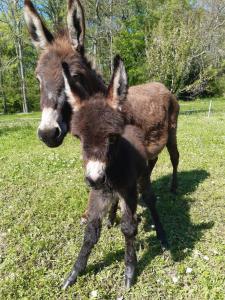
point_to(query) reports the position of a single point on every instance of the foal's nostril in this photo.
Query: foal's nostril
(89, 181)
(95, 183)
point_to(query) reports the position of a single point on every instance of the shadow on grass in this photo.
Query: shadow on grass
(174, 210)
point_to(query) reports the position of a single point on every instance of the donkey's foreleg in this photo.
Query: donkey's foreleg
(129, 225)
(97, 209)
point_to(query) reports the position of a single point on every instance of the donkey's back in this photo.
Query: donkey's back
(155, 110)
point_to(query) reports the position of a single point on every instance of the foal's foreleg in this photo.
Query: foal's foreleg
(129, 226)
(98, 206)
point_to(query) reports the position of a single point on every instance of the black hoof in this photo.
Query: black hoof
(164, 245)
(128, 283)
(83, 221)
(139, 219)
(109, 224)
(69, 281)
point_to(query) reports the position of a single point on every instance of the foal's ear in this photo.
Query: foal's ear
(73, 89)
(76, 24)
(39, 33)
(117, 90)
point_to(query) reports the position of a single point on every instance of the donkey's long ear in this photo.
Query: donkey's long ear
(117, 90)
(73, 89)
(76, 24)
(39, 33)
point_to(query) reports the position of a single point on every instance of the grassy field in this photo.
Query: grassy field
(43, 194)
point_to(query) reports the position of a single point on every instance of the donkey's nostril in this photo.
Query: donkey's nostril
(49, 135)
(57, 132)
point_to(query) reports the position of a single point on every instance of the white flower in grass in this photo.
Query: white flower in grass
(94, 294)
(205, 257)
(175, 279)
(188, 270)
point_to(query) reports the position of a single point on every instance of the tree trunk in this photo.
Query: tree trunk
(95, 35)
(111, 36)
(18, 46)
(2, 93)
(23, 84)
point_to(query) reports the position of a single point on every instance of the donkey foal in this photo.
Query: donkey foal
(116, 165)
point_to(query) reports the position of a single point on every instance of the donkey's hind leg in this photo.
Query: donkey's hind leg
(174, 156)
(99, 204)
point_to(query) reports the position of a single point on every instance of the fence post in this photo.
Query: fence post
(210, 106)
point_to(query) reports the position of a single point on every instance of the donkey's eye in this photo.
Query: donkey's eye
(39, 80)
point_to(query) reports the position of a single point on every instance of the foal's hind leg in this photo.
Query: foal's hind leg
(146, 175)
(151, 165)
(149, 199)
(129, 226)
(174, 156)
(98, 206)
(112, 213)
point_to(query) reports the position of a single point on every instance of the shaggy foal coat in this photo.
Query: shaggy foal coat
(116, 165)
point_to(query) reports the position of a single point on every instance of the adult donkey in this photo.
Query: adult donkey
(67, 45)
(150, 106)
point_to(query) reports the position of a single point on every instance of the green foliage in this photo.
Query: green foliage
(130, 44)
(179, 43)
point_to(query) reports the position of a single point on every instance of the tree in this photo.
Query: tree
(12, 16)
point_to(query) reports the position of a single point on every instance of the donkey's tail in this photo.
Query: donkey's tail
(174, 109)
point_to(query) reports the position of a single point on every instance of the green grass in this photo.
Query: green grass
(43, 194)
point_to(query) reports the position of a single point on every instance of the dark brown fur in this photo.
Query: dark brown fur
(105, 138)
